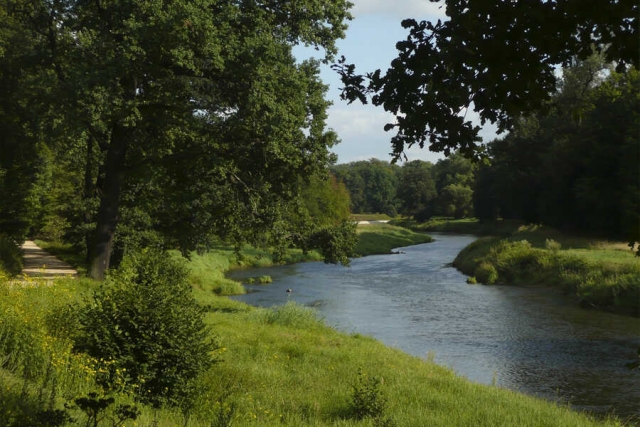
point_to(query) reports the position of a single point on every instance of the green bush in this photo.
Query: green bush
(146, 327)
(486, 273)
(263, 280)
(552, 245)
(368, 401)
(472, 280)
(10, 256)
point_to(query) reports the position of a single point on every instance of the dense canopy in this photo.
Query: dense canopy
(166, 120)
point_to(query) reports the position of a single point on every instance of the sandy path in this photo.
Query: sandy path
(38, 263)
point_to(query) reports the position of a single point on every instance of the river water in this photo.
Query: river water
(528, 339)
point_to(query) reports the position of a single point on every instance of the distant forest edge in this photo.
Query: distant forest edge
(576, 168)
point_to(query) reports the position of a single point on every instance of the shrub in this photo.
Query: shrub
(472, 280)
(263, 280)
(486, 273)
(10, 256)
(144, 323)
(368, 401)
(552, 245)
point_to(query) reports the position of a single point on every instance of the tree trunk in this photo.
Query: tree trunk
(107, 219)
(89, 192)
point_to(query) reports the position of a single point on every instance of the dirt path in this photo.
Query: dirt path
(38, 263)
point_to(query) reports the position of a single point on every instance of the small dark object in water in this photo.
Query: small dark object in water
(289, 290)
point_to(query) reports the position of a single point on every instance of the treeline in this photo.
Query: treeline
(418, 189)
(576, 167)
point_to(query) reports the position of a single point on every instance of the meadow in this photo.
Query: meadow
(280, 366)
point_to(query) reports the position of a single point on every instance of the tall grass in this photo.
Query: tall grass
(207, 269)
(599, 274)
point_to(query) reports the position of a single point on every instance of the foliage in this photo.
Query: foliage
(202, 126)
(486, 273)
(95, 407)
(576, 167)
(495, 57)
(552, 245)
(372, 185)
(10, 256)
(368, 401)
(416, 190)
(145, 327)
(263, 280)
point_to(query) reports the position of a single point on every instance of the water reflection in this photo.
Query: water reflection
(526, 339)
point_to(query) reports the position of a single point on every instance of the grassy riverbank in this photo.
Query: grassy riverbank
(382, 238)
(461, 226)
(598, 273)
(276, 367)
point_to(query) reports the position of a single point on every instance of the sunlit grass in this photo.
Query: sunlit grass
(369, 217)
(382, 238)
(599, 273)
(461, 226)
(281, 366)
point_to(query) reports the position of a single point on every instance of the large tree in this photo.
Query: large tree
(195, 115)
(497, 57)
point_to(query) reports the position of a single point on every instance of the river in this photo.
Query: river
(528, 339)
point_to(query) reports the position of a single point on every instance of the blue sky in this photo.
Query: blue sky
(370, 44)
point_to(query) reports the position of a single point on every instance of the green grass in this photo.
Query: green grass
(382, 238)
(207, 270)
(282, 366)
(369, 217)
(598, 273)
(461, 226)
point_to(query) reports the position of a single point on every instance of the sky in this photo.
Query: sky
(370, 44)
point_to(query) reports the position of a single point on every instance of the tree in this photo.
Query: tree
(495, 57)
(455, 179)
(196, 119)
(371, 184)
(416, 190)
(575, 167)
(146, 328)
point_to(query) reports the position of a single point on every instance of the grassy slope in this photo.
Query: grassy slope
(382, 238)
(277, 367)
(600, 273)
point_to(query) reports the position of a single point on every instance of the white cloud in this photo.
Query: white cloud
(361, 130)
(417, 9)
(357, 121)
